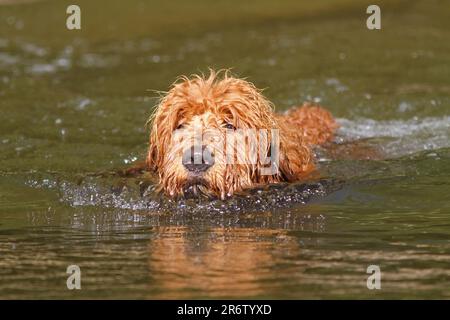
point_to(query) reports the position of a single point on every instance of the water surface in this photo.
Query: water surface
(74, 104)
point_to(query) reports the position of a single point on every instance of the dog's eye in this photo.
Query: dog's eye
(180, 126)
(230, 126)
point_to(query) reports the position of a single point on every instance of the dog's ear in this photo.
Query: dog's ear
(160, 133)
(295, 159)
(152, 153)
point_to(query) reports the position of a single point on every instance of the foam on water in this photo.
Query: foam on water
(368, 128)
(400, 137)
(107, 193)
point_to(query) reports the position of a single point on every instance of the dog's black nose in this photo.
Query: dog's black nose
(198, 159)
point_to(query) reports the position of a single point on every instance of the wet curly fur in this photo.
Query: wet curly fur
(216, 104)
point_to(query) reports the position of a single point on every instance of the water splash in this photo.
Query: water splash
(398, 137)
(136, 194)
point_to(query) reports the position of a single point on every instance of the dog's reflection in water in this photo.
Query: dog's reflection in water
(221, 263)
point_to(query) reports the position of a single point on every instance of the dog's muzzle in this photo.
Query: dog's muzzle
(198, 159)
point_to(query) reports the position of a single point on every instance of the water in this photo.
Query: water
(74, 105)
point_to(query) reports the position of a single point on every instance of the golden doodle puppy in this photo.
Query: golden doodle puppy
(218, 135)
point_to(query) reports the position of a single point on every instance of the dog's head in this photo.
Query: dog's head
(213, 134)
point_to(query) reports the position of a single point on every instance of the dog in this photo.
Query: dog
(196, 124)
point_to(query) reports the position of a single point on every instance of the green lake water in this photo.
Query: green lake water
(74, 104)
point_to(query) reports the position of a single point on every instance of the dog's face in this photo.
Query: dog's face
(212, 136)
